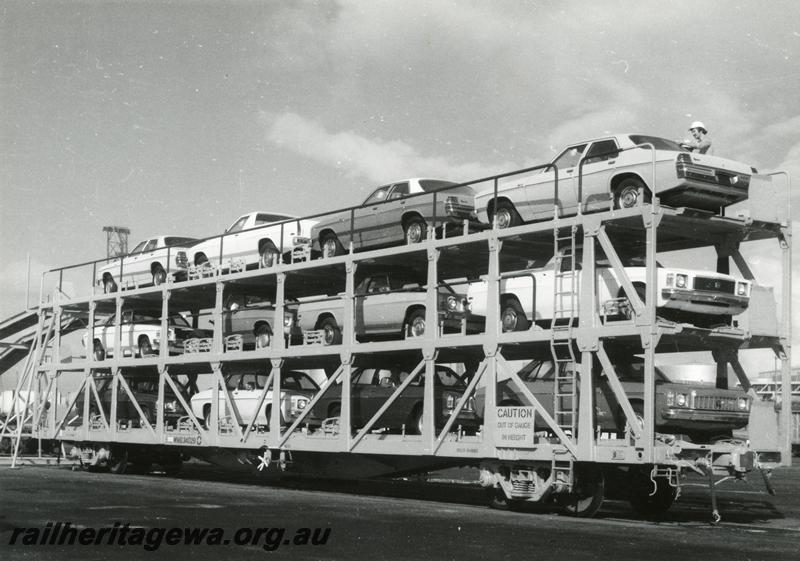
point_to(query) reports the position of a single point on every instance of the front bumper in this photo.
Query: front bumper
(704, 301)
(734, 419)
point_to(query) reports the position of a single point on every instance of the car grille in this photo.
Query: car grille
(715, 285)
(715, 403)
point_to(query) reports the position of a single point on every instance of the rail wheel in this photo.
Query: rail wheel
(588, 492)
(651, 497)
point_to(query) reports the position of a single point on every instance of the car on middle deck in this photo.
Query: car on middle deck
(390, 303)
(547, 290)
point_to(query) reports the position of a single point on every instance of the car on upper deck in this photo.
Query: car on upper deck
(393, 214)
(151, 261)
(700, 411)
(617, 171)
(250, 316)
(528, 296)
(255, 239)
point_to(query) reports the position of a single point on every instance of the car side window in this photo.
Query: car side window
(151, 245)
(238, 225)
(600, 151)
(379, 195)
(570, 157)
(378, 284)
(234, 381)
(364, 378)
(399, 190)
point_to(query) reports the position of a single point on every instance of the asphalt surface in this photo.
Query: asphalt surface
(442, 518)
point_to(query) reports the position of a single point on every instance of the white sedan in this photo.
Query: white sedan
(617, 171)
(703, 298)
(297, 389)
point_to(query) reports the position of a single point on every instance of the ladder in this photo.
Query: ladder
(21, 414)
(565, 315)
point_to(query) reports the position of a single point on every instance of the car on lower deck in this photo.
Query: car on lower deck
(394, 214)
(297, 389)
(618, 171)
(371, 387)
(151, 261)
(700, 411)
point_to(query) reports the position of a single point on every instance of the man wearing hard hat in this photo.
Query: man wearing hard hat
(698, 142)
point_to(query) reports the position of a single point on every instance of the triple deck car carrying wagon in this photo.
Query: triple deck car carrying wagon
(526, 451)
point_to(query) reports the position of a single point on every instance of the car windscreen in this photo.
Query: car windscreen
(298, 381)
(658, 143)
(264, 218)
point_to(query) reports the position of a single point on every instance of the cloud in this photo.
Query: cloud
(360, 157)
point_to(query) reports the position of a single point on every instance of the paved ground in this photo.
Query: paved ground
(440, 519)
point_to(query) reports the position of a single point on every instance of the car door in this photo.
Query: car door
(554, 186)
(361, 396)
(231, 243)
(377, 307)
(389, 215)
(366, 218)
(140, 268)
(247, 394)
(593, 178)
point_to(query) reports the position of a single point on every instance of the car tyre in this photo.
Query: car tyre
(109, 285)
(268, 256)
(98, 351)
(263, 335)
(506, 216)
(414, 325)
(631, 193)
(512, 316)
(332, 333)
(414, 230)
(331, 246)
(159, 275)
(145, 347)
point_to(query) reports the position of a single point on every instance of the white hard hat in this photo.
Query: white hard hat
(698, 125)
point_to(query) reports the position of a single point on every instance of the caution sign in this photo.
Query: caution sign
(514, 428)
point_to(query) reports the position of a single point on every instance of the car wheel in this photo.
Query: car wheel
(159, 275)
(109, 285)
(512, 316)
(98, 350)
(332, 334)
(145, 347)
(268, 255)
(414, 325)
(631, 193)
(268, 415)
(588, 492)
(330, 245)
(506, 216)
(415, 422)
(414, 230)
(207, 416)
(263, 335)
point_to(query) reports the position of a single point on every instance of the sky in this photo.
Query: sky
(178, 117)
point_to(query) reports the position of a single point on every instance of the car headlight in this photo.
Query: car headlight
(677, 399)
(287, 321)
(670, 279)
(451, 402)
(171, 406)
(680, 400)
(452, 303)
(741, 289)
(743, 403)
(681, 281)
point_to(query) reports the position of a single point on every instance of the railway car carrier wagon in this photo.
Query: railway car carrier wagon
(479, 396)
